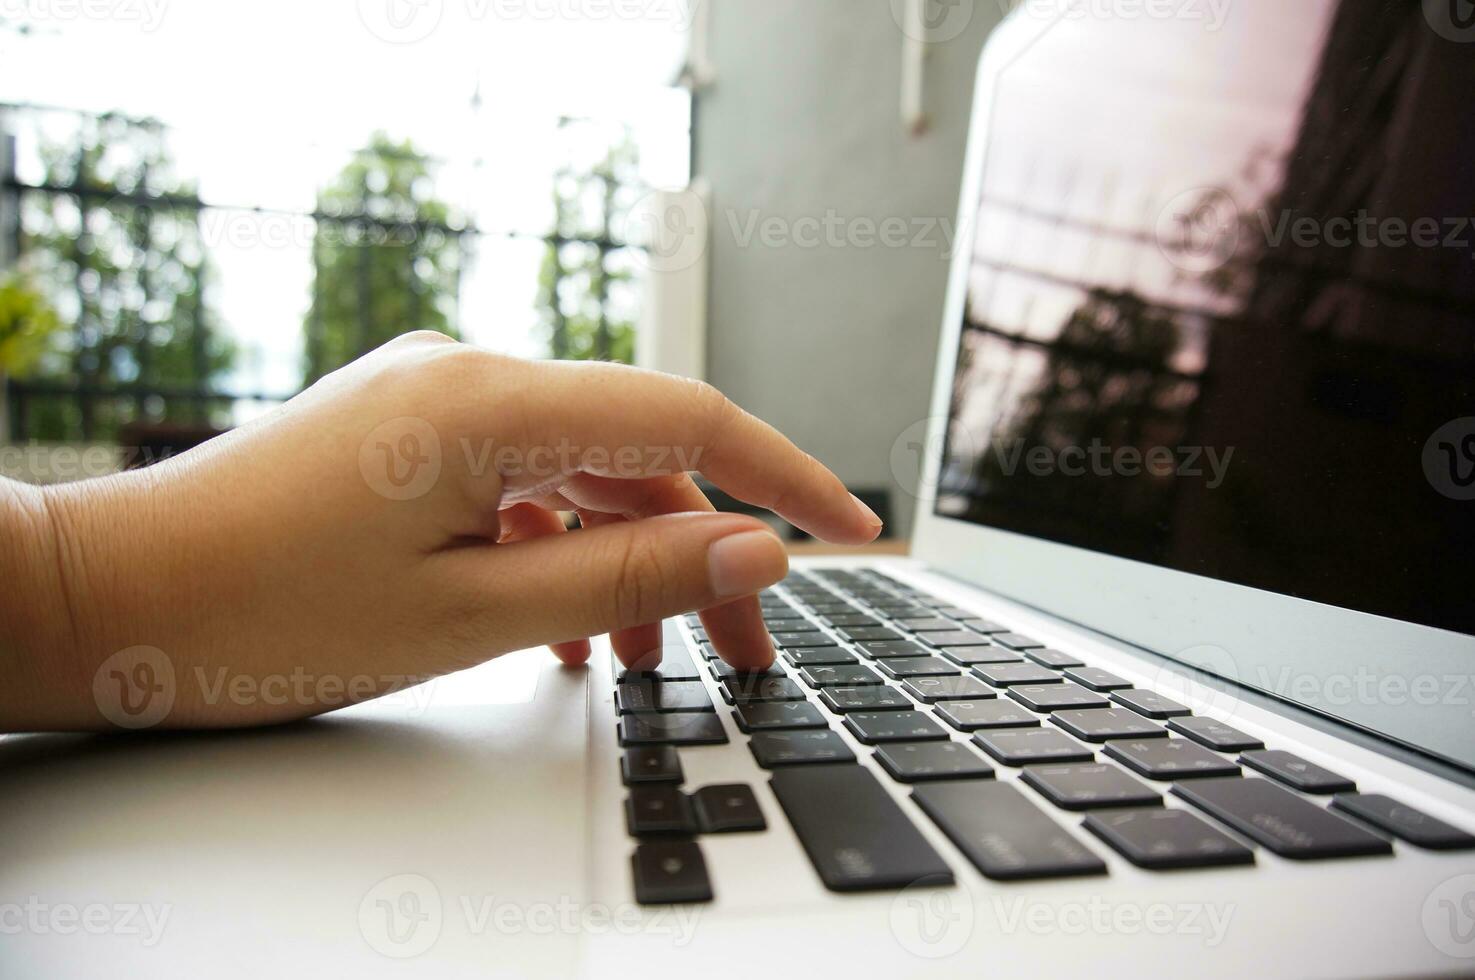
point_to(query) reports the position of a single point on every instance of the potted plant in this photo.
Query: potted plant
(27, 323)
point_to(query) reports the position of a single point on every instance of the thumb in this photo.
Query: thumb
(615, 576)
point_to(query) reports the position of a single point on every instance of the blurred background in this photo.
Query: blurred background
(206, 207)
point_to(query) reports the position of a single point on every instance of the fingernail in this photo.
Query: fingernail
(866, 512)
(745, 563)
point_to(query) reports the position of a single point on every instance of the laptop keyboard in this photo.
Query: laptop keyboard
(942, 697)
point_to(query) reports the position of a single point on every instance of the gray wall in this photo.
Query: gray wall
(833, 345)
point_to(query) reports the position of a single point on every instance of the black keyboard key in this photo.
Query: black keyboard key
(658, 809)
(851, 675)
(1161, 839)
(893, 649)
(1169, 758)
(778, 715)
(761, 687)
(918, 667)
(1404, 822)
(1057, 659)
(928, 625)
(1005, 835)
(1101, 724)
(669, 873)
(984, 626)
(1097, 679)
(833, 607)
(973, 656)
(650, 764)
(1273, 816)
(921, 762)
(955, 638)
(774, 749)
(874, 727)
(1296, 772)
(900, 610)
(951, 611)
(790, 626)
(1149, 704)
(1215, 734)
(1054, 697)
(789, 640)
(843, 700)
(1090, 786)
(1007, 675)
(670, 663)
(727, 808)
(973, 716)
(672, 728)
(1015, 641)
(637, 697)
(819, 657)
(868, 634)
(852, 620)
(855, 834)
(723, 670)
(961, 687)
(1027, 746)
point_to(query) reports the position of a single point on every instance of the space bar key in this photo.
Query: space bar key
(855, 833)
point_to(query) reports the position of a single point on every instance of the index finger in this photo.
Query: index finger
(618, 421)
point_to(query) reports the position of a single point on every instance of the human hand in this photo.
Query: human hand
(398, 521)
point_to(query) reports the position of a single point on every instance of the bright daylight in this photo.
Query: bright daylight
(685, 489)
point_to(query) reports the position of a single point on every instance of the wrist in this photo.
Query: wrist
(57, 620)
(36, 626)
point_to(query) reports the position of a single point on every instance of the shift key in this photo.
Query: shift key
(1289, 825)
(855, 834)
(1005, 835)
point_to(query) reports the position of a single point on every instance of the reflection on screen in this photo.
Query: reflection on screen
(1221, 302)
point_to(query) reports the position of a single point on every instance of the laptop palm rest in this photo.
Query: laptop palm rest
(447, 829)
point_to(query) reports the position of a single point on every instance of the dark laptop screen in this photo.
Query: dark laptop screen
(1221, 298)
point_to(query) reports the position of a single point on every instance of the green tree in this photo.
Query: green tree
(583, 279)
(387, 257)
(27, 323)
(119, 253)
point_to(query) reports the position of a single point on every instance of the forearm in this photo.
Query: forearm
(69, 600)
(138, 597)
(37, 635)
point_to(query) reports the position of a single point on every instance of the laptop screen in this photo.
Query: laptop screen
(1220, 306)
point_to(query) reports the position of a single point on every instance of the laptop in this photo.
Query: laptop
(1176, 681)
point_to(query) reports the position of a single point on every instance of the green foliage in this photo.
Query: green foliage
(27, 323)
(126, 273)
(578, 279)
(396, 272)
